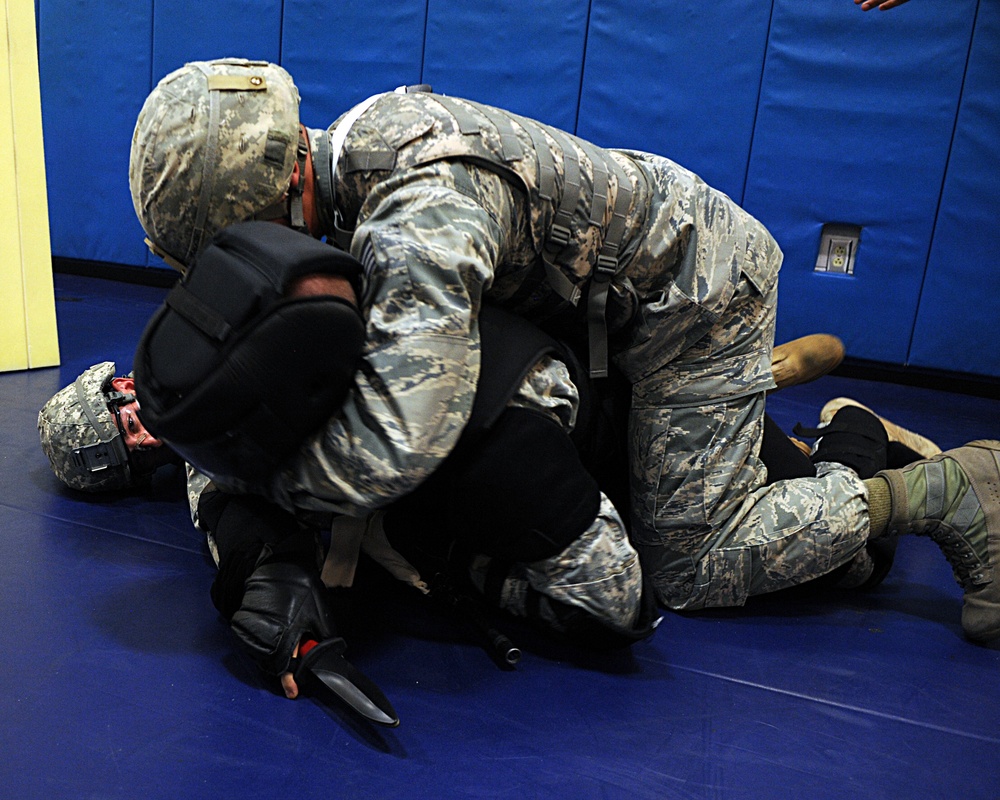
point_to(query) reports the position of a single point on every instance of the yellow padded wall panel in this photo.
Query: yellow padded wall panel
(28, 336)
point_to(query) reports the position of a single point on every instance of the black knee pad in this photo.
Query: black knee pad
(782, 458)
(521, 493)
(855, 438)
(881, 550)
(900, 455)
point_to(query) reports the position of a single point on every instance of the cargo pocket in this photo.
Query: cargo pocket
(669, 447)
(763, 257)
(722, 579)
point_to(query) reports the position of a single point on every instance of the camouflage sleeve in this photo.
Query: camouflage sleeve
(548, 387)
(429, 242)
(197, 484)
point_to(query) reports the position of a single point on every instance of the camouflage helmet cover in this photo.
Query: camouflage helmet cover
(215, 143)
(78, 417)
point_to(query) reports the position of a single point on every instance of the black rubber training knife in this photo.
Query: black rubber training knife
(322, 667)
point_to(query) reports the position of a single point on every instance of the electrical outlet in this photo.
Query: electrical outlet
(838, 247)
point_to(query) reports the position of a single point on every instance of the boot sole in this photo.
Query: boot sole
(983, 460)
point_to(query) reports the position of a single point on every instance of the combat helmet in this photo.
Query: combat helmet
(80, 434)
(215, 143)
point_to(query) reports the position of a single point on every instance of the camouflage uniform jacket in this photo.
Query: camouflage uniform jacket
(447, 202)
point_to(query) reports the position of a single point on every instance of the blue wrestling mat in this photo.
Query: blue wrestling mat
(119, 679)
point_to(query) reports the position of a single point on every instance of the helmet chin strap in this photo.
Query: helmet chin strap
(290, 206)
(296, 212)
(169, 259)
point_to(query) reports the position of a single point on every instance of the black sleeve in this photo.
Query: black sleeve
(242, 525)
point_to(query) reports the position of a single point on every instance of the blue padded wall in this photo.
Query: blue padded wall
(960, 304)
(526, 57)
(805, 113)
(184, 31)
(117, 52)
(94, 62)
(340, 53)
(677, 78)
(854, 125)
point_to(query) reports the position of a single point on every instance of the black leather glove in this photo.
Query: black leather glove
(284, 603)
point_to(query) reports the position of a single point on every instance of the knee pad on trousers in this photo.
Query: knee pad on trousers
(881, 551)
(781, 457)
(854, 437)
(857, 438)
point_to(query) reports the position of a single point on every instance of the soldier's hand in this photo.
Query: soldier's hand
(288, 684)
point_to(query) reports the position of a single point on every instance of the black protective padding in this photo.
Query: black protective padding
(854, 437)
(514, 487)
(234, 375)
(899, 456)
(520, 494)
(289, 358)
(526, 496)
(782, 458)
(509, 347)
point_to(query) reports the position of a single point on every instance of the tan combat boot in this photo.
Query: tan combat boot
(955, 499)
(806, 359)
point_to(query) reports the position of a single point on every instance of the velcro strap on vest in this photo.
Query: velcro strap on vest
(605, 269)
(471, 123)
(510, 145)
(338, 136)
(468, 122)
(608, 259)
(559, 233)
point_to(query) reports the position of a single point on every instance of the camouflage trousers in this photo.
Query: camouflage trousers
(599, 572)
(708, 531)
